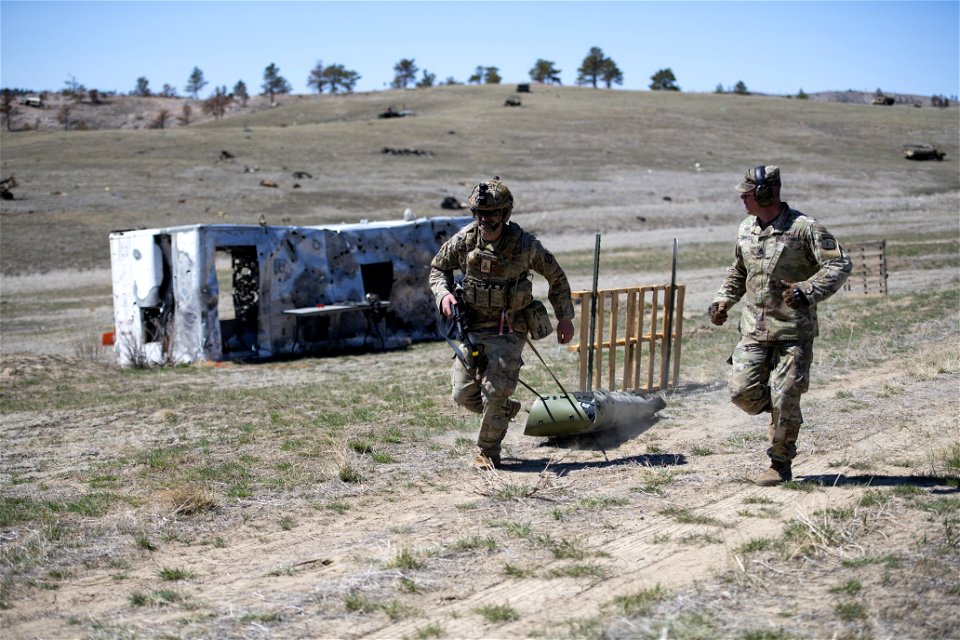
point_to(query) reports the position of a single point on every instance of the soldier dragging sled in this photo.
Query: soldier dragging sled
(496, 308)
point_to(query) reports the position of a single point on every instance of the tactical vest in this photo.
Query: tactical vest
(497, 279)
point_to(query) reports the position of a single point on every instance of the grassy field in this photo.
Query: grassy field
(577, 160)
(329, 497)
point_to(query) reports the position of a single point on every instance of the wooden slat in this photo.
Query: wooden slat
(612, 357)
(869, 267)
(653, 336)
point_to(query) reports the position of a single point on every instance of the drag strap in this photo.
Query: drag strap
(576, 409)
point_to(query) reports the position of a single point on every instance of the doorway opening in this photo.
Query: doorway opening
(238, 304)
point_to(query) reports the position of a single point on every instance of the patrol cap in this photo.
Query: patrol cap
(491, 195)
(749, 183)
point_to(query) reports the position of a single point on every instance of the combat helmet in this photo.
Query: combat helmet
(491, 195)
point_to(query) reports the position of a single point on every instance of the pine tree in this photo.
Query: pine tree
(544, 72)
(664, 80)
(317, 80)
(427, 80)
(592, 68)
(274, 83)
(240, 92)
(611, 74)
(143, 87)
(195, 82)
(491, 75)
(405, 72)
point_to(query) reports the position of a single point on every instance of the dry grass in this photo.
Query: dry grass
(591, 159)
(274, 485)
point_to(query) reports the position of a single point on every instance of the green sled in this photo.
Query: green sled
(586, 412)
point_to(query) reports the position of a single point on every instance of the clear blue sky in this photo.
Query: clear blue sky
(772, 46)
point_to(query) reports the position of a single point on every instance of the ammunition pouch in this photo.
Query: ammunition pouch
(498, 296)
(538, 322)
(480, 294)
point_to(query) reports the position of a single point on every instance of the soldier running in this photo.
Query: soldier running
(496, 257)
(785, 263)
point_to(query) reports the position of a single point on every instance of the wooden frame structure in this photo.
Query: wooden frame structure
(641, 314)
(869, 267)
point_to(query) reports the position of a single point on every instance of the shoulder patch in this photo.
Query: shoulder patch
(829, 249)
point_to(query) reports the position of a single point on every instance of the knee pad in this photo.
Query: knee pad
(470, 401)
(749, 404)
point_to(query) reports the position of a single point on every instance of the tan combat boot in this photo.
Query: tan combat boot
(777, 473)
(486, 460)
(489, 445)
(490, 439)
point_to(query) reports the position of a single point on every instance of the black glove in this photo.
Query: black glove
(718, 313)
(793, 297)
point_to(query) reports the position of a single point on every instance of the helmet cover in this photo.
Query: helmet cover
(491, 195)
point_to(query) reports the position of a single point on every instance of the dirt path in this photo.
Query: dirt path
(567, 561)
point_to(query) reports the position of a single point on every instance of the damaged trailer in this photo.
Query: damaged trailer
(228, 292)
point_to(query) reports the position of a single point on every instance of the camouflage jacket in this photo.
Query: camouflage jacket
(792, 248)
(496, 276)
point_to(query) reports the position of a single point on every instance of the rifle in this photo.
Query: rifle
(459, 330)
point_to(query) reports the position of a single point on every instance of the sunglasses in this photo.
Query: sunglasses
(489, 213)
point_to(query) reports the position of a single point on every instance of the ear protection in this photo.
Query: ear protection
(763, 194)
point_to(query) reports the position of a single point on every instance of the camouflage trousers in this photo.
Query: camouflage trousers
(771, 376)
(486, 387)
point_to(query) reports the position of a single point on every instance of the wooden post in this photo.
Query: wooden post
(883, 267)
(598, 341)
(667, 339)
(584, 346)
(629, 339)
(678, 332)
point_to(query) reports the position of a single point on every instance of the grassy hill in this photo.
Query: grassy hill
(328, 497)
(576, 157)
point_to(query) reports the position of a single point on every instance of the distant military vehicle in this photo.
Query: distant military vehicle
(922, 152)
(390, 112)
(883, 100)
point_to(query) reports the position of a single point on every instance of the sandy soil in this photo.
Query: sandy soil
(879, 426)
(261, 580)
(659, 534)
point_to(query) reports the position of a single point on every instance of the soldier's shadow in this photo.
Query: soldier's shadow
(937, 484)
(557, 466)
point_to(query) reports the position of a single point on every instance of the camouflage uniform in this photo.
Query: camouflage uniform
(496, 291)
(771, 363)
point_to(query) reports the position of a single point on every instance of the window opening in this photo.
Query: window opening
(377, 278)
